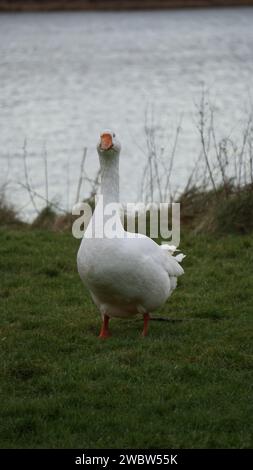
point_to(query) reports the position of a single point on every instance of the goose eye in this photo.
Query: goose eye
(113, 134)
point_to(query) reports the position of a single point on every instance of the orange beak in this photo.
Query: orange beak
(106, 141)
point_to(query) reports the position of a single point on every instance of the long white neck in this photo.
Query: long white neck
(110, 191)
(103, 215)
(109, 178)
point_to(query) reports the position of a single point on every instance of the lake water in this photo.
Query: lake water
(66, 76)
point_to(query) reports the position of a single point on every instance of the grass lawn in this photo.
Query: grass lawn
(188, 384)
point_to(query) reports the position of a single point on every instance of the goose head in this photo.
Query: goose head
(108, 144)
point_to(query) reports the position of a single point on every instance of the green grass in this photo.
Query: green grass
(188, 384)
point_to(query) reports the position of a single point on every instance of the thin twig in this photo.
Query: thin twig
(28, 186)
(201, 128)
(35, 193)
(245, 137)
(171, 160)
(46, 173)
(81, 177)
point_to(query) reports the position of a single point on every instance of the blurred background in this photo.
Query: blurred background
(148, 74)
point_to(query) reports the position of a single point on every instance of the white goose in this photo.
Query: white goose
(125, 276)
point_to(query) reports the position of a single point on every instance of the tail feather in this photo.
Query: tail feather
(171, 249)
(180, 257)
(174, 268)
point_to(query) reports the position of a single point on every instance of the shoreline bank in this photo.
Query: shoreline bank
(117, 5)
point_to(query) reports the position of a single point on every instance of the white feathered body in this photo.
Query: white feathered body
(127, 276)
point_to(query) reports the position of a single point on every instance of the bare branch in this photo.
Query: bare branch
(28, 186)
(46, 173)
(201, 128)
(81, 177)
(49, 203)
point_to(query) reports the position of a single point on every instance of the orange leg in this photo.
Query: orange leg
(145, 327)
(104, 333)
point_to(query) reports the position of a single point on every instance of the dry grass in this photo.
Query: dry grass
(8, 215)
(228, 210)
